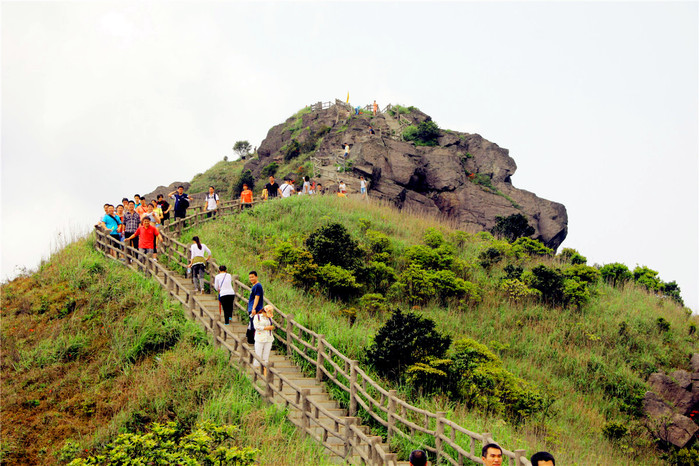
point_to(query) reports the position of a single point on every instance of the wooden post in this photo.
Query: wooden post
(439, 432)
(217, 331)
(374, 457)
(519, 454)
(349, 435)
(269, 380)
(305, 415)
(486, 439)
(289, 318)
(319, 359)
(353, 388)
(391, 412)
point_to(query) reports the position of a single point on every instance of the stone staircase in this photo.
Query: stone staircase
(316, 390)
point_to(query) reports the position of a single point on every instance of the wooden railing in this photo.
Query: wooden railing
(325, 105)
(398, 416)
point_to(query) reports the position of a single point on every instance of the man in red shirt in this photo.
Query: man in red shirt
(147, 238)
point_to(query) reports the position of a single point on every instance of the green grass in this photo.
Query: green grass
(222, 176)
(576, 358)
(120, 357)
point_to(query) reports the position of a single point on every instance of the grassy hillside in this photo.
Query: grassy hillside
(91, 350)
(586, 364)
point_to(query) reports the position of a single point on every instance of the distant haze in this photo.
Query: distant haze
(597, 103)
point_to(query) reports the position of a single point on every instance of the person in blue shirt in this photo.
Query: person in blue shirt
(256, 300)
(181, 202)
(112, 224)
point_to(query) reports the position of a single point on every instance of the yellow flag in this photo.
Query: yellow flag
(347, 96)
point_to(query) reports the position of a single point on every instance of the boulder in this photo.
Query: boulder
(695, 362)
(430, 178)
(671, 392)
(668, 425)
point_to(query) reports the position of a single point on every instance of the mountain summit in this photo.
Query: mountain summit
(412, 163)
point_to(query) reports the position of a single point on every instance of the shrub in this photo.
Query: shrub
(428, 258)
(433, 238)
(303, 272)
(517, 290)
(531, 247)
(575, 292)
(512, 227)
(332, 244)
(647, 277)
(337, 282)
(379, 243)
(424, 134)
(614, 430)
(513, 272)
(615, 273)
(171, 444)
(377, 276)
(286, 253)
(582, 273)
(405, 339)
(416, 285)
(429, 376)
(373, 303)
(291, 150)
(572, 256)
(662, 324)
(489, 257)
(447, 285)
(549, 282)
(270, 169)
(672, 290)
(479, 379)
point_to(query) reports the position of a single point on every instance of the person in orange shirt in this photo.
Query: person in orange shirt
(245, 197)
(375, 107)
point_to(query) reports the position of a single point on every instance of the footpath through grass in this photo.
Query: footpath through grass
(91, 349)
(589, 364)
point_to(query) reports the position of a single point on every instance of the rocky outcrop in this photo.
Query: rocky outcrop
(464, 176)
(672, 404)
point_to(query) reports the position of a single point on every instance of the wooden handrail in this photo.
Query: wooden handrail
(397, 415)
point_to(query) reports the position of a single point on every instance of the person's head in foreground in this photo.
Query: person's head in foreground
(491, 455)
(543, 458)
(418, 458)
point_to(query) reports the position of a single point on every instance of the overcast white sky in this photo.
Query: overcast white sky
(597, 103)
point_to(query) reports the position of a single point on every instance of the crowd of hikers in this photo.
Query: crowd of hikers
(137, 223)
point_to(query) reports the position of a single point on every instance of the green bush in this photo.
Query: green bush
(429, 376)
(517, 290)
(575, 292)
(489, 257)
(332, 244)
(404, 340)
(424, 134)
(433, 238)
(479, 379)
(672, 290)
(379, 243)
(614, 430)
(337, 282)
(572, 256)
(429, 258)
(373, 303)
(549, 282)
(291, 150)
(270, 169)
(648, 278)
(513, 272)
(416, 285)
(615, 273)
(582, 273)
(169, 443)
(512, 227)
(377, 276)
(531, 247)
(304, 271)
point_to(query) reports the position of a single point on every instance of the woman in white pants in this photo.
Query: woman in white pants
(262, 321)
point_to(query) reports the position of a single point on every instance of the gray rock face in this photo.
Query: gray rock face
(695, 362)
(668, 389)
(434, 179)
(666, 423)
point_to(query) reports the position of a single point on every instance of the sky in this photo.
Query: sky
(597, 103)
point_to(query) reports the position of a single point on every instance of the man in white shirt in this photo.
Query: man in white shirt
(211, 203)
(287, 188)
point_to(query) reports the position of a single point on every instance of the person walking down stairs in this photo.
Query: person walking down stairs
(199, 256)
(226, 294)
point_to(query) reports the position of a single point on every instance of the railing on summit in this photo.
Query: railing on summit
(452, 442)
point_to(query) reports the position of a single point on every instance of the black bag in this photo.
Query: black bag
(250, 333)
